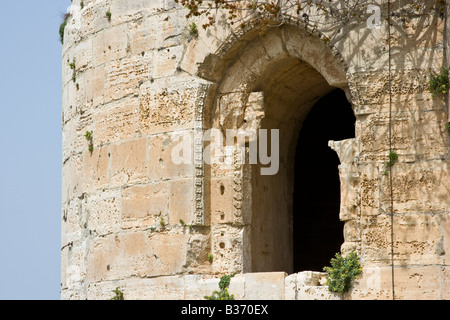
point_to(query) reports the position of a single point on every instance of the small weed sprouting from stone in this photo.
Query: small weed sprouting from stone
(89, 138)
(74, 73)
(343, 272)
(63, 25)
(222, 294)
(162, 223)
(393, 157)
(439, 83)
(193, 31)
(118, 294)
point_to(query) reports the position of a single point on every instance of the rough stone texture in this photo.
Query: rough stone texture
(133, 218)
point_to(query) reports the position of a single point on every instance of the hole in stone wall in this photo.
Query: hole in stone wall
(222, 189)
(318, 232)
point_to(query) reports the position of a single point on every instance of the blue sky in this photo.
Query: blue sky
(30, 149)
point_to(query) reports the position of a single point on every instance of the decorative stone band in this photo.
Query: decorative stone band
(199, 216)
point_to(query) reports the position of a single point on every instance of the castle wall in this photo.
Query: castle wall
(141, 83)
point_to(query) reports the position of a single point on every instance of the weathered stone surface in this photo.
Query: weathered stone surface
(163, 163)
(143, 205)
(139, 213)
(264, 286)
(96, 168)
(129, 162)
(166, 106)
(116, 121)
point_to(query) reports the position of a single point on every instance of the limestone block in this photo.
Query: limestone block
(72, 139)
(417, 239)
(237, 286)
(71, 226)
(118, 256)
(72, 182)
(227, 248)
(124, 76)
(103, 210)
(370, 188)
(166, 61)
(126, 10)
(264, 286)
(445, 238)
(129, 162)
(117, 121)
(93, 16)
(67, 72)
(239, 78)
(109, 44)
(311, 50)
(310, 278)
(374, 137)
(257, 58)
(68, 110)
(94, 86)
(167, 106)
(222, 191)
(351, 231)
(166, 163)
(348, 247)
(254, 113)
(182, 201)
(195, 55)
(370, 90)
(419, 187)
(83, 55)
(431, 137)
(162, 288)
(418, 283)
(142, 205)
(290, 287)
(445, 283)
(199, 286)
(74, 269)
(316, 293)
(375, 283)
(157, 32)
(198, 248)
(96, 168)
(167, 254)
(82, 93)
(232, 107)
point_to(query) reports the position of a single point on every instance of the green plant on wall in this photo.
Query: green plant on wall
(438, 83)
(222, 293)
(393, 157)
(193, 31)
(89, 138)
(118, 294)
(343, 272)
(73, 67)
(447, 127)
(62, 27)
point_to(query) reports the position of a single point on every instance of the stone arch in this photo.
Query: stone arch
(263, 82)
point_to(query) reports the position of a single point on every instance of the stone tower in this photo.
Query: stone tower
(146, 209)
